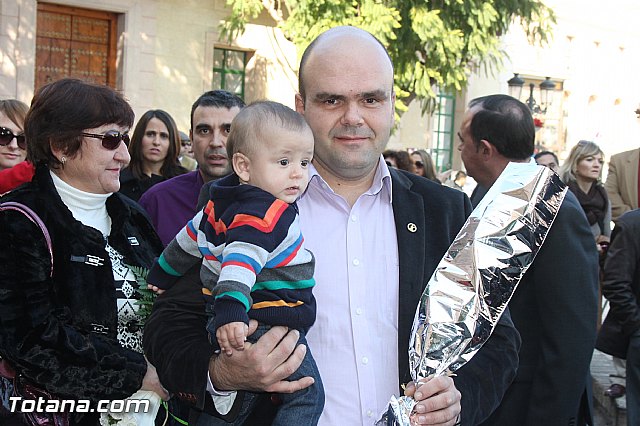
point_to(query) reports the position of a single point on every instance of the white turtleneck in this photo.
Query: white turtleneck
(88, 208)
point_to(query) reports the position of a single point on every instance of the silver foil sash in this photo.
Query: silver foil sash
(474, 281)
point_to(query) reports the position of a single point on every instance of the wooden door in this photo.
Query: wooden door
(75, 42)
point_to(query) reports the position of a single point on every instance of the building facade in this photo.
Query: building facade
(165, 53)
(159, 53)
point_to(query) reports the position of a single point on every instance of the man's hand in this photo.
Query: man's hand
(151, 382)
(438, 402)
(262, 366)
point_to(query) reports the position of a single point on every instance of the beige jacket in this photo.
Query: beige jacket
(622, 182)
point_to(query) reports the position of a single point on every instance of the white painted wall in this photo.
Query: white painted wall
(165, 53)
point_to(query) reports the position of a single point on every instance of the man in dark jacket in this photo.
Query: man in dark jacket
(621, 285)
(555, 305)
(360, 218)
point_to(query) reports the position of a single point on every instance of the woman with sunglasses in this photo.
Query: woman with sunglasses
(13, 146)
(70, 322)
(14, 170)
(424, 165)
(154, 150)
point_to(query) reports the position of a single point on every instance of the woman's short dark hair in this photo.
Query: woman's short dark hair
(402, 158)
(62, 110)
(170, 166)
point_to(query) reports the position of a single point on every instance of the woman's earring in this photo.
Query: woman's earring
(63, 160)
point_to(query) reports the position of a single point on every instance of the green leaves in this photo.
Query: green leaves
(146, 297)
(434, 44)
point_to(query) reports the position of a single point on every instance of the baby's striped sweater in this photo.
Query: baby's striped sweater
(254, 264)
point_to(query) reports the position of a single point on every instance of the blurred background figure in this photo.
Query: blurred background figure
(423, 164)
(400, 160)
(186, 156)
(404, 161)
(14, 169)
(75, 330)
(547, 158)
(458, 182)
(154, 149)
(620, 332)
(390, 157)
(623, 182)
(582, 172)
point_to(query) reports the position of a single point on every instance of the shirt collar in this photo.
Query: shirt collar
(381, 181)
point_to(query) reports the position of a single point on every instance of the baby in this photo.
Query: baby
(254, 264)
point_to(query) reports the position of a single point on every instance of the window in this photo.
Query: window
(229, 70)
(443, 139)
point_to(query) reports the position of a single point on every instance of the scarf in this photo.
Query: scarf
(594, 203)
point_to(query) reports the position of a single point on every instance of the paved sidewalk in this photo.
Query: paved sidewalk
(608, 411)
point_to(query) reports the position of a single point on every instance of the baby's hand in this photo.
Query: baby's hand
(155, 289)
(232, 336)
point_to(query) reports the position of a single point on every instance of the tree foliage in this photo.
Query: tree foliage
(433, 43)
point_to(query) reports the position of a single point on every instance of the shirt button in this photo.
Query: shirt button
(369, 413)
(359, 311)
(356, 262)
(354, 218)
(365, 360)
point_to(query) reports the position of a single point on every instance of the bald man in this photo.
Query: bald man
(378, 235)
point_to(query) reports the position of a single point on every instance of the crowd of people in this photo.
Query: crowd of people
(289, 250)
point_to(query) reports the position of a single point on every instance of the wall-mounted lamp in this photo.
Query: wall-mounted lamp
(546, 87)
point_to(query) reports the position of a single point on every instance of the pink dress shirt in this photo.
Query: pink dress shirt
(354, 339)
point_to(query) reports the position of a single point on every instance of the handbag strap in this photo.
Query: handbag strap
(33, 217)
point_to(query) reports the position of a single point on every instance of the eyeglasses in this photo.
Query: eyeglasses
(111, 139)
(186, 143)
(6, 136)
(419, 164)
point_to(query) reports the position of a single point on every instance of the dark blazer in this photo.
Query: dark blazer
(176, 341)
(621, 285)
(439, 212)
(555, 310)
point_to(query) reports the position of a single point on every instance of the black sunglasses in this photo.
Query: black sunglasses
(111, 139)
(6, 136)
(419, 164)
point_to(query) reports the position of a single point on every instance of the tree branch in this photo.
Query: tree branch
(274, 11)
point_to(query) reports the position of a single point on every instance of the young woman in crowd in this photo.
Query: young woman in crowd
(582, 172)
(14, 170)
(154, 150)
(424, 165)
(13, 146)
